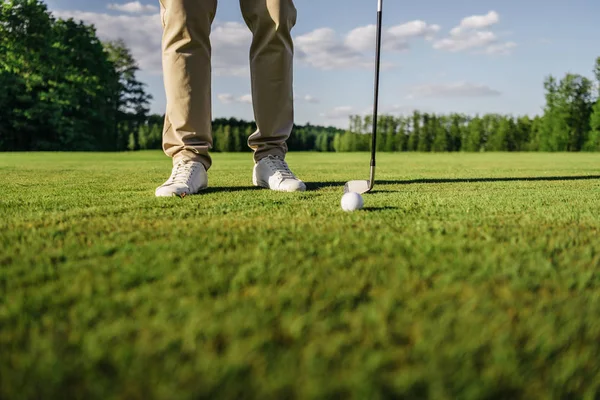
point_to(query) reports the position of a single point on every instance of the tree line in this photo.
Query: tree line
(231, 135)
(61, 87)
(64, 89)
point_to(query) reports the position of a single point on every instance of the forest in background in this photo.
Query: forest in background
(65, 89)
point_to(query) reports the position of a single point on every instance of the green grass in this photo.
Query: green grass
(466, 276)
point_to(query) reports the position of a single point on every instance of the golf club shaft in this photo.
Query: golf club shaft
(376, 101)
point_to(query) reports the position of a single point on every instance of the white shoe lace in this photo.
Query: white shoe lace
(279, 166)
(183, 172)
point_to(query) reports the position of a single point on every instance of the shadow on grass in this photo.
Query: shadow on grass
(507, 179)
(313, 186)
(373, 209)
(323, 185)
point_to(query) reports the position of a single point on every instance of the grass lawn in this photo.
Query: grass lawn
(466, 276)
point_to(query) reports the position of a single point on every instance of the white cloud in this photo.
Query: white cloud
(459, 89)
(321, 49)
(133, 7)
(477, 22)
(324, 49)
(342, 112)
(142, 34)
(416, 28)
(361, 39)
(395, 38)
(473, 33)
(466, 41)
(227, 98)
(306, 98)
(247, 99)
(310, 99)
(231, 43)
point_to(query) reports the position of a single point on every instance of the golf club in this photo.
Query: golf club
(361, 187)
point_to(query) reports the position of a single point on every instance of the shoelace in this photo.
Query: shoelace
(281, 167)
(183, 172)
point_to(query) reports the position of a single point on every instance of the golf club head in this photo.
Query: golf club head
(359, 187)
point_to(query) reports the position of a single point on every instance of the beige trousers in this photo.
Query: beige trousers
(186, 57)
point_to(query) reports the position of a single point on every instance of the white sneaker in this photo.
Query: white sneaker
(188, 177)
(273, 173)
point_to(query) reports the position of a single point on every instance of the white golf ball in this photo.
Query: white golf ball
(352, 201)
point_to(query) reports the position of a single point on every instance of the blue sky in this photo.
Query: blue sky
(471, 56)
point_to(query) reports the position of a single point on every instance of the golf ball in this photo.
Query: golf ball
(352, 201)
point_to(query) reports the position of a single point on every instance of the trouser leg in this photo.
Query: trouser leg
(186, 57)
(271, 68)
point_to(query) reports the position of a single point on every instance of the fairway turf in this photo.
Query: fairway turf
(466, 276)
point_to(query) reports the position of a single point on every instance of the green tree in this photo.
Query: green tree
(474, 135)
(536, 133)
(502, 138)
(249, 131)
(26, 32)
(457, 122)
(401, 136)
(390, 142)
(132, 99)
(554, 129)
(143, 136)
(337, 143)
(218, 137)
(579, 91)
(228, 140)
(415, 131)
(346, 142)
(131, 146)
(367, 125)
(382, 132)
(236, 140)
(426, 134)
(523, 133)
(593, 142)
(567, 113)
(440, 134)
(391, 127)
(153, 134)
(490, 124)
(356, 124)
(322, 143)
(57, 82)
(89, 85)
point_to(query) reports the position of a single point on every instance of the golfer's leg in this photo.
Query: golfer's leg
(271, 63)
(186, 53)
